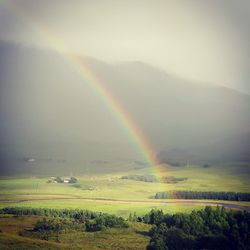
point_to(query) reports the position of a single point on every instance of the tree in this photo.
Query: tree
(157, 243)
(72, 180)
(59, 179)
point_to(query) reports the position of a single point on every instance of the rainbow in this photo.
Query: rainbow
(125, 120)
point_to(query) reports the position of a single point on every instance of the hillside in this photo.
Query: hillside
(50, 114)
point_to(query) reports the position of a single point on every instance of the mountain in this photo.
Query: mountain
(50, 113)
(232, 149)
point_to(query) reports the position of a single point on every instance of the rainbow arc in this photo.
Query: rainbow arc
(119, 113)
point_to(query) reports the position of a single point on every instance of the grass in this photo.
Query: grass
(122, 195)
(134, 237)
(108, 193)
(121, 209)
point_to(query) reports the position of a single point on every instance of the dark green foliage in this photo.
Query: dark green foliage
(72, 180)
(204, 229)
(79, 215)
(157, 243)
(231, 196)
(68, 219)
(105, 221)
(59, 179)
(145, 178)
(52, 228)
(152, 178)
(155, 217)
(57, 225)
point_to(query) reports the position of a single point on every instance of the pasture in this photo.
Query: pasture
(109, 193)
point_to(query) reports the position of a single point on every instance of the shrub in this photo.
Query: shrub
(105, 221)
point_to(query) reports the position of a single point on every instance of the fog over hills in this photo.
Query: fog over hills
(48, 112)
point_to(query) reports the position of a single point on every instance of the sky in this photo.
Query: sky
(205, 41)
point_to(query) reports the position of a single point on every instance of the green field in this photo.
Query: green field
(109, 193)
(134, 237)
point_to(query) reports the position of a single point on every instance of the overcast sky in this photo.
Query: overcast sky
(203, 40)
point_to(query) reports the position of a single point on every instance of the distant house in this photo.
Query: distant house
(52, 180)
(58, 179)
(67, 180)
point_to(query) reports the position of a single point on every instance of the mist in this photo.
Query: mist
(180, 71)
(50, 113)
(203, 41)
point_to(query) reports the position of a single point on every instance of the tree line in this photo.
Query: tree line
(76, 214)
(57, 225)
(93, 221)
(205, 229)
(105, 221)
(101, 222)
(198, 195)
(153, 178)
(145, 178)
(209, 228)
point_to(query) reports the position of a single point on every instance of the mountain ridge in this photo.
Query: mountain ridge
(49, 109)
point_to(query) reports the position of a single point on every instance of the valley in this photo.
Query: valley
(110, 193)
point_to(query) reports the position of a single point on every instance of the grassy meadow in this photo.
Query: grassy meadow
(134, 237)
(109, 193)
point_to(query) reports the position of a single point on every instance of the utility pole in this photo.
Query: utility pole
(187, 163)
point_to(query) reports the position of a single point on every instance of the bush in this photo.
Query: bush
(56, 225)
(105, 221)
(72, 180)
(59, 179)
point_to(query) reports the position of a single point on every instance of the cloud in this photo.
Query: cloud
(202, 40)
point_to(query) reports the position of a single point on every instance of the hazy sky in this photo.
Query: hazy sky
(202, 40)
